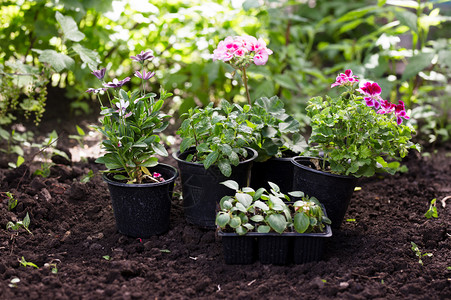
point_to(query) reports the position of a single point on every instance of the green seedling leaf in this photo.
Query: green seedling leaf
(165, 251)
(277, 222)
(244, 199)
(231, 185)
(432, 211)
(106, 257)
(301, 222)
(222, 219)
(25, 263)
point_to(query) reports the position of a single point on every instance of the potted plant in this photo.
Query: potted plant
(355, 134)
(213, 149)
(284, 230)
(140, 187)
(276, 134)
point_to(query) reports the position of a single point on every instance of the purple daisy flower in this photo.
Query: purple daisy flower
(100, 74)
(145, 75)
(143, 56)
(116, 83)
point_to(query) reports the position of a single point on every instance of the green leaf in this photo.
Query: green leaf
(58, 61)
(151, 162)
(416, 64)
(277, 222)
(211, 159)
(244, 199)
(159, 149)
(222, 219)
(301, 222)
(26, 221)
(231, 184)
(225, 168)
(80, 131)
(274, 186)
(90, 57)
(69, 27)
(241, 230)
(235, 222)
(257, 218)
(285, 81)
(407, 18)
(261, 205)
(263, 229)
(186, 143)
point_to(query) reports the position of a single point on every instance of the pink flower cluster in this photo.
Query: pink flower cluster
(372, 92)
(241, 46)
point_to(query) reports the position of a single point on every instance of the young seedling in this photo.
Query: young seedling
(24, 223)
(25, 263)
(419, 254)
(13, 283)
(87, 177)
(53, 267)
(79, 138)
(432, 211)
(12, 202)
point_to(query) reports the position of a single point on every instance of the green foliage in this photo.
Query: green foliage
(131, 143)
(219, 134)
(87, 177)
(274, 130)
(12, 202)
(432, 211)
(250, 210)
(354, 139)
(16, 226)
(25, 263)
(418, 253)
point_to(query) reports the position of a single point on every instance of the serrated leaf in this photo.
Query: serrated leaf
(69, 27)
(58, 61)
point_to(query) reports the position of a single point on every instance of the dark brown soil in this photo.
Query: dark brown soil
(370, 258)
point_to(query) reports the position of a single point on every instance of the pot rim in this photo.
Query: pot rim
(166, 181)
(297, 164)
(176, 155)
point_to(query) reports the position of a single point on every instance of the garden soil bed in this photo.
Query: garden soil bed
(370, 257)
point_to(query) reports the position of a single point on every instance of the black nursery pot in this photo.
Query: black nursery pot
(276, 170)
(333, 191)
(202, 188)
(143, 210)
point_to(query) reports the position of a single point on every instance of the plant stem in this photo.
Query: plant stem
(245, 86)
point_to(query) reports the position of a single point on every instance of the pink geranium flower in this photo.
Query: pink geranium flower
(400, 112)
(372, 90)
(346, 78)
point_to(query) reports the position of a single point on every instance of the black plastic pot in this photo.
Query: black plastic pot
(333, 191)
(143, 210)
(202, 188)
(276, 170)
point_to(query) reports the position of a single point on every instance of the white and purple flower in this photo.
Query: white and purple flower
(145, 75)
(143, 56)
(100, 74)
(116, 83)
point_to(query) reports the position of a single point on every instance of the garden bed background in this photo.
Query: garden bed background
(369, 257)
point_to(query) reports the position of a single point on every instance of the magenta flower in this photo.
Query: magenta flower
(346, 78)
(143, 56)
(372, 90)
(386, 107)
(99, 73)
(116, 83)
(145, 75)
(400, 112)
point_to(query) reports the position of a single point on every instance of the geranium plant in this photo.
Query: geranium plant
(219, 135)
(274, 130)
(358, 132)
(130, 125)
(263, 212)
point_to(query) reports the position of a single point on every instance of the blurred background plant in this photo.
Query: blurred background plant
(402, 44)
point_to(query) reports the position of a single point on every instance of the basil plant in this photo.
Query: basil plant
(219, 135)
(249, 210)
(130, 125)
